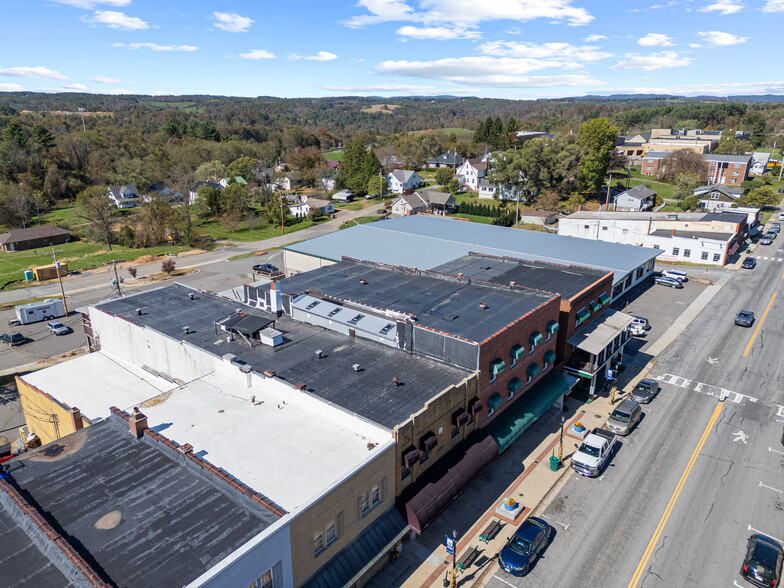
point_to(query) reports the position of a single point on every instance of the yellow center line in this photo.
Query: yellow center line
(759, 325)
(663, 521)
(782, 276)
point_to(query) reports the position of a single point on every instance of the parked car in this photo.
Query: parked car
(766, 240)
(641, 322)
(781, 214)
(644, 391)
(745, 318)
(775, 227)
(265, 268)
(58, 328)
(636, 330)
(676, 274)
(524, 547)
(771, 234)
(763, 561)
(12, 339)
(671, 282)
(624, 417)
(749, 263)
(595, 451)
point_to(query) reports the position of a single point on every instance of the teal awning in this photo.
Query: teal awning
(549, 356)
(518, 416)
(497, 366)
(495, 400)
(536, 338)
(552, 327)
(583, 315)
(595, 306)
(514, 385)
(517, 352)
(533, 370)
(604, 298)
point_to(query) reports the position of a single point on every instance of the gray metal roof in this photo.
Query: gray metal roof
(601, 331)
(704, 235)
(727, 158)
(425, 242)
(640, 192)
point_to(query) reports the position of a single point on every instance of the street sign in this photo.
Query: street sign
(610, 374)
(450, 545)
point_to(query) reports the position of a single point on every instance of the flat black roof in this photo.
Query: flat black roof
(693, 234)
(566, 280)
(369, 393)
(23, 562)
(450, 305)
(730, 217)
(138, 515)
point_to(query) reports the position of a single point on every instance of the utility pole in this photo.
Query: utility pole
(84, 127)
(560, 443)
(282, 217)
(60, 279)
(116, 278)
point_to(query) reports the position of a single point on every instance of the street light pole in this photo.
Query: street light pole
(560, 443)
(453, 575)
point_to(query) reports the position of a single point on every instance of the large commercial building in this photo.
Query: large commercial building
(732, 170)
(427, 242)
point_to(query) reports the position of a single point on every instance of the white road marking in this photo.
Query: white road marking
(710, 390)
(712, 360)
(735, 583)
(740, 436)
(566, 527)
(497, 577)
(775, 451)
(763, 533)
(771, 488)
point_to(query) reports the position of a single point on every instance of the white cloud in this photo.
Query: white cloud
(392, 88)
(594, 38)
(437, 33)
(116, 20)
(719, 39)
(553, 51)
(724, 7)
(32, 72)
(75, 87)
(651, 61)
(469, 13)
(156, 47)
(323, 56)
(106, 80)
(90, 4)
(773, 6)
(257, 54)
(655, 40)
(232, 22)
(11, 88)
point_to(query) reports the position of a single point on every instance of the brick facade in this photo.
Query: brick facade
(567, 321)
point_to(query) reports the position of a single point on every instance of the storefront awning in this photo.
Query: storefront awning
(517, 352)
(514, 385)
(552, 327)
(601, 332)
(533, 370)
(536, 338)
(604, 298)
(517, 417)
(549, 356)
(495, 401)
(497, 366)
(583, 315)
(595, 306)
(439, 486)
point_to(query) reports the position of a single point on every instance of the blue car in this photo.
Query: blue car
(524, 547)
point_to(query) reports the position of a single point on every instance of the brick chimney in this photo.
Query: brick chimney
(76, 419)
(138, 422)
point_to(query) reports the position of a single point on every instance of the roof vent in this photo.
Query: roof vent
(459, 274)
(513, 283)
(319, 353)
(356, 367)
(363, 281)
(269, 373)
(139, 311)
(192, 296)
(396, 381)
(483, 305)
(186, 330)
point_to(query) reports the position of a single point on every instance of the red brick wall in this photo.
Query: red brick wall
(719, 170)
(567, 322)
(500, 345)
(654, 165)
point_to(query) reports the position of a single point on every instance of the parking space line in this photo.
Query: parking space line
(771, 488)
(663, 521)
(497, 577)
(775, 451)
(759, 325)
(763, 533)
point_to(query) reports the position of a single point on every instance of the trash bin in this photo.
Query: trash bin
(554, 463)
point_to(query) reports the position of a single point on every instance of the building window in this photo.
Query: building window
(318, 543)
(331, 534)
(715, 195)
(272, 578)
(734, 173)
(656, 247)
(704, 256)
(737, 165)
(716, 257)
(675, 251)
(638, 274)
(604, 228)
(687, 253)
(649, 168)
(370, 500)
(733, 181)
(586, 227)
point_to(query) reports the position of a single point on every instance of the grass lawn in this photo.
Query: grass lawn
(350, 205)
(212, 228)
(671, 208)
(334, 156)
(362, 220)
(486, 220)
(79, 255)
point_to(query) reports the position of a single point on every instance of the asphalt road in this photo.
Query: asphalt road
(696, 477)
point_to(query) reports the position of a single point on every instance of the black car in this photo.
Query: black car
(762, 564)
(745, 318)
(12, 339)
(644, 391)
(524, 547)
(265, 268)
(749, 263)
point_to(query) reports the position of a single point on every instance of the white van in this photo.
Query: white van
(675, 275)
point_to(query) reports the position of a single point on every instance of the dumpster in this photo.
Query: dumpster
(554, 463)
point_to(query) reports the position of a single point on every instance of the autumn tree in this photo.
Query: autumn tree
(95, 208)
(760, 197)
(685, 185)
(156, 217)
(443, 175)
(676, 163)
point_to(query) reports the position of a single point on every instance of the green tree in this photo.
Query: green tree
(43, 138)
(443, 175)
(156, 218)
(597, 138)
(210, 171)
(685, 185)
(243, 167)
(376, 182)
(94, 207)
(760, 197)
(453, 186)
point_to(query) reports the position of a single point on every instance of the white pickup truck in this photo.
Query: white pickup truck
(593, 454)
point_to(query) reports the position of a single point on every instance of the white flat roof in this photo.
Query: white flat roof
(292, 451)
(97, 381)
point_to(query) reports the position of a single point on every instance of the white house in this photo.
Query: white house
(401, 180)
(486, 189)
(635, 199)
(194, 192)
(124, 196)
(310, 204)
(759, 163)
(418, 202)
(718, 197)
(471, 172)
(694, 247)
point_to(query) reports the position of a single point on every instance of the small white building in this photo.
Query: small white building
(635, 199)
(693, 247)
(759, 163)
(471, 172)
(343, 196)
(309, 204)
(126, 196)
(402, 180)
(718, 197)
(487, 189)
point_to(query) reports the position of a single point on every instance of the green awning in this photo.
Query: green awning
(533, 370)
(582, 315)
(514, 385)
(495, 401)
(517, 352)
(604, 298)
(552, 327)
(518, 416)
(497, 366)
(595, 306)
(536, 338)
(549, 356)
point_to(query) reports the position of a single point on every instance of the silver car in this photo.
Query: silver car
(624, 417)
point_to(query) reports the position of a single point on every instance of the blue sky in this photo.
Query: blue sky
(301, 48)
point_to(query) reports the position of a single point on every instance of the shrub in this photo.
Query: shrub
(167, 266)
